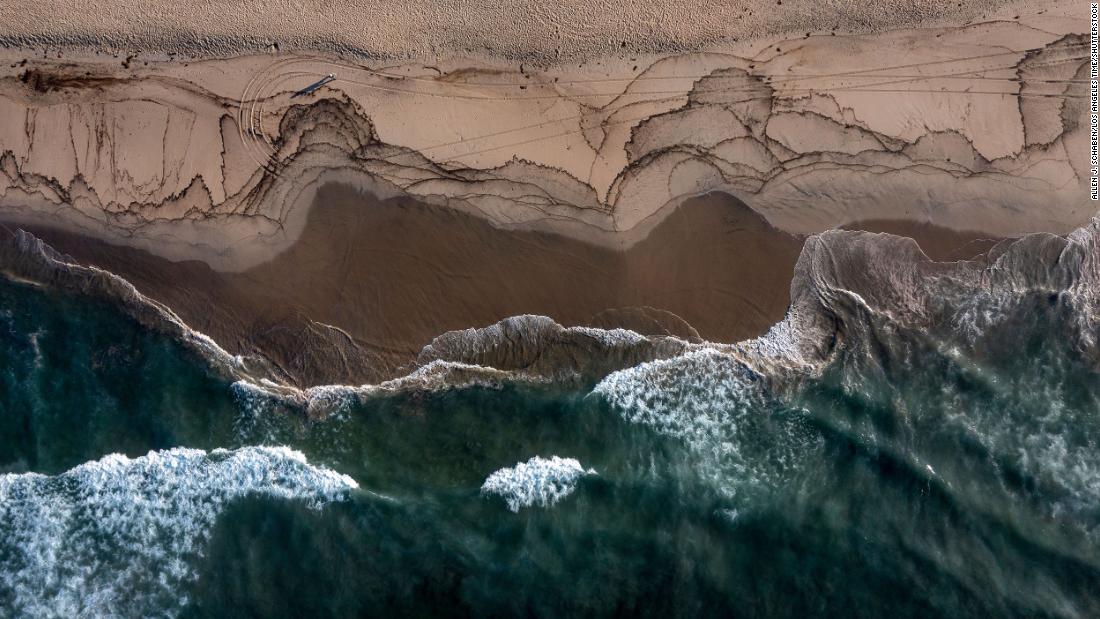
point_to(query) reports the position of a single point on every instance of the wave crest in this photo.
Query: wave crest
(152, 514)
(538, 482)
(719, 408)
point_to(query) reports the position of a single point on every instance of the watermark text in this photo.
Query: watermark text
(1094, 109)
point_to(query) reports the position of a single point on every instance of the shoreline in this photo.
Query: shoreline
(667, 194)
(323, 312)
(371, 282)
(891, 277)
(754, 308)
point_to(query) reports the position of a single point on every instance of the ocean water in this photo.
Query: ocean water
(946, 472)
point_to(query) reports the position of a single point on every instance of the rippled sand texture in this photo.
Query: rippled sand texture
(335, 234)
(546, 29)
(213, 160)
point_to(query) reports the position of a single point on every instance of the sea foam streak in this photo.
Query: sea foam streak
(154, 514)
(539, 481)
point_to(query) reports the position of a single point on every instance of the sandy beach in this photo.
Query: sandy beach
(531, 29)
(663, 182)
(549, 309)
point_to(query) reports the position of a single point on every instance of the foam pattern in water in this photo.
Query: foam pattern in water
(538, 482)
(119, 536)
(1040, 425)
(718, 408)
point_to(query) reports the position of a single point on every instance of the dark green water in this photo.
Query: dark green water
(924, 474)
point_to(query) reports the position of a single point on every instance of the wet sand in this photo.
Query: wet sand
(370, 282)
(938, 243)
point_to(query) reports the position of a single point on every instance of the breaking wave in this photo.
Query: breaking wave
(915, 426)
(538, 482)
(720, 409)
(119, 536)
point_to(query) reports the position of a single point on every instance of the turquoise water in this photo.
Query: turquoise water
(923, 474)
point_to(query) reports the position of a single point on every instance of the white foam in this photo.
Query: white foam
(257, 400)
(438, 375)
(714, 404)
(36, 346)
(782, 342)
(537, 482)
(611, 337)
(1032, 426)
(119, 536)
(976, 313)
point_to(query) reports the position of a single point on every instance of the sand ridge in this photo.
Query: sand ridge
(952, 128)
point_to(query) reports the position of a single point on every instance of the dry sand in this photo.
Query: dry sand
(338, 232)
(547, 29)
(214, 160)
